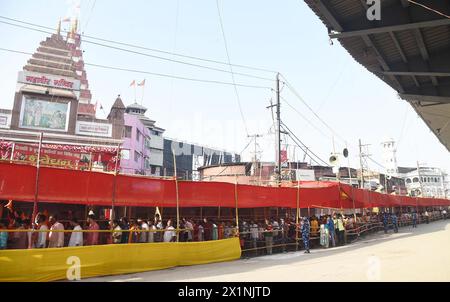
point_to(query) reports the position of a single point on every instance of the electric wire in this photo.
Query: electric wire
(292, 89)
(429, 8)
(150, 56)
(90, 15)
(304, 149)
(302, 116)
(286, 128)
(240, 154)
(238, 99)
(377, 163)
(137, 46)
(156, 74)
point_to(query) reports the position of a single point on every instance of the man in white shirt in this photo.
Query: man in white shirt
(169, 233)
(254, 235)
(158, 224)
(189, 228)
(151, 234)
(201, 231)
(276, 227)
(55, 239)
(41, 240)
(117, 234)
(427, 217)
(144, 229)
(76, 238)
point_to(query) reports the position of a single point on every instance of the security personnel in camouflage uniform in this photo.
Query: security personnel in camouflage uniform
(305, 234)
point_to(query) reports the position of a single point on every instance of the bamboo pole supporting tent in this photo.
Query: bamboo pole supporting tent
(12, 152)
(176, 195)
(236, 203)
(297, 216)
(113, 216)
(36, 189)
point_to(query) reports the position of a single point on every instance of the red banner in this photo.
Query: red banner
(61, 156)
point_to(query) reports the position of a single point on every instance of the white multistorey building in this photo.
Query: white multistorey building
(425, 181)
(420, 180)
(447, 185)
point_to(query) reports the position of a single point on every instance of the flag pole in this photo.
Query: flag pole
(143, 91)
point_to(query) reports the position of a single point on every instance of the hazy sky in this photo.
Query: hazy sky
(278, 35)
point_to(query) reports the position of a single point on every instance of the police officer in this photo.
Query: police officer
(395, 222)
(414, 219)
(305, 234)
(385, 222)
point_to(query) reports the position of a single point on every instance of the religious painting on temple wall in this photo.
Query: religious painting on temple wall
(44, 115)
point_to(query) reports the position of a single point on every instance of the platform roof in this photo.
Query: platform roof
(408, 48)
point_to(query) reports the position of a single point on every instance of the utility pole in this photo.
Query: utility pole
(420, 180)
(363, 159)
(278, 131)
(361, 163)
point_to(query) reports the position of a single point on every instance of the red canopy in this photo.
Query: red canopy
(18, 182)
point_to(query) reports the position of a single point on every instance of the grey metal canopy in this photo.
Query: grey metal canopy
(408, 48)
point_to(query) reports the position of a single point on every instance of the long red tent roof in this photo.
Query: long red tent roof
(18, 182)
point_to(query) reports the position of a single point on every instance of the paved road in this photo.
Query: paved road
(420, 254)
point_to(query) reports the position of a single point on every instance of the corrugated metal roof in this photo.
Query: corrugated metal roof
(409, 49)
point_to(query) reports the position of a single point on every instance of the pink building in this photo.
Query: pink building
(142, 149)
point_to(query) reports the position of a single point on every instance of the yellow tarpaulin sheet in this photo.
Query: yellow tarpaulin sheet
(55, 264)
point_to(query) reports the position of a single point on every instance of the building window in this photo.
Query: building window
(127, 131)
(408, 180)
(138, 135)
(415, 179)
(147, 143)
(125, 154)
(137, 156)
(153, 170)
(147, 163)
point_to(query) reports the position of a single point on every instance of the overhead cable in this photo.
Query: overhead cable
(138, 47)
(156, 74)
(238, 99)
(310, 109)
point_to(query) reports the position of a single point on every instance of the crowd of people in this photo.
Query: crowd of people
(51, 232)
(256, 237)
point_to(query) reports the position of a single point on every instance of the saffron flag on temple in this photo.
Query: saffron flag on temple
(133, 83)
(142, 83)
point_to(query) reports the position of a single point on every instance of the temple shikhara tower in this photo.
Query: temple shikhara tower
(52, 97)
(85, 107)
